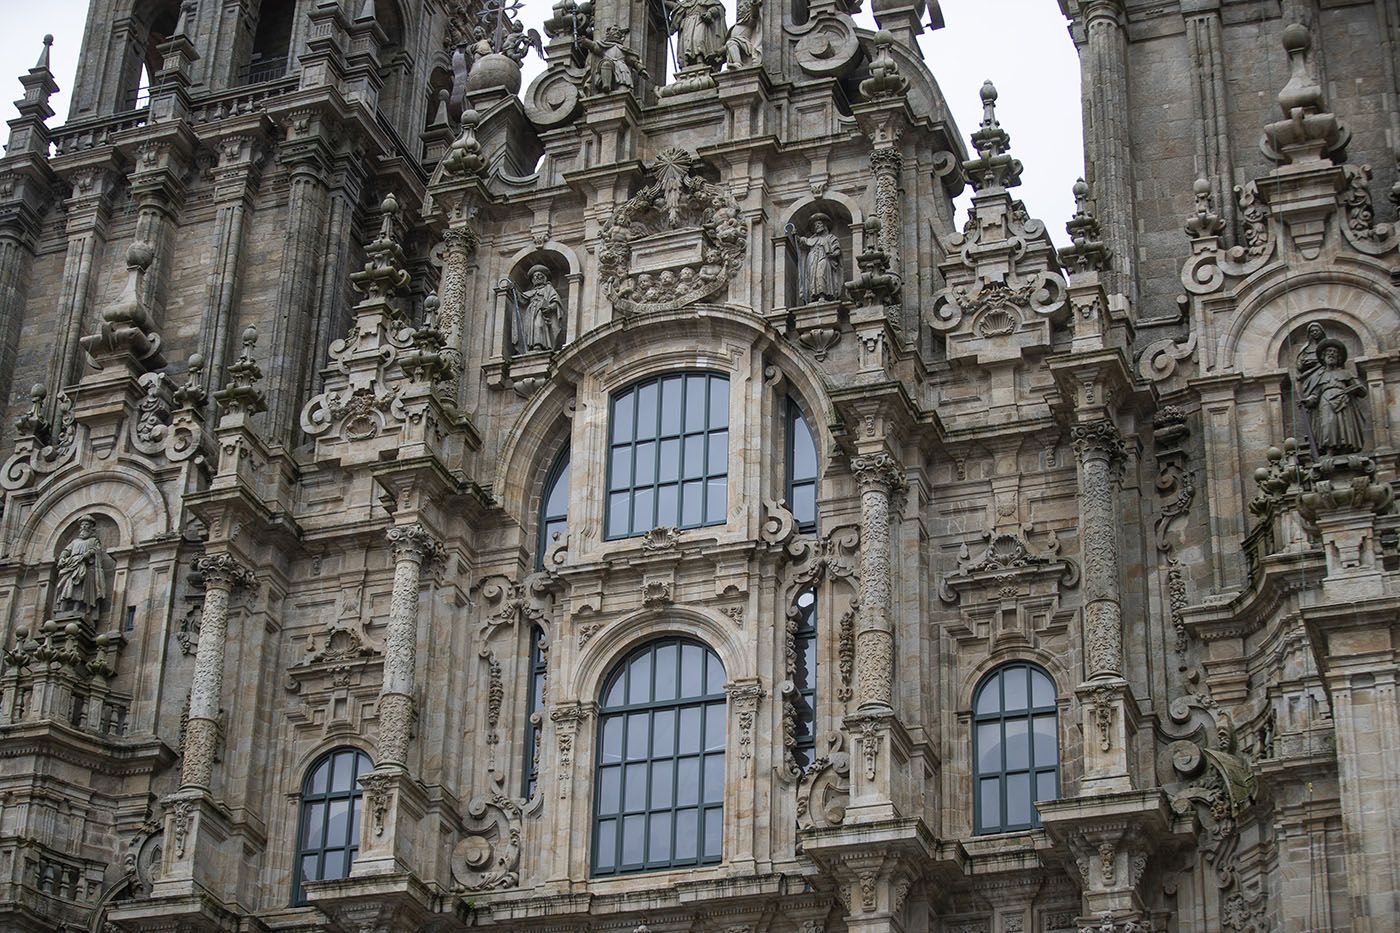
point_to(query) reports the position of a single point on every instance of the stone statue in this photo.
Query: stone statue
(1307, 362)
(821, 261)
(612, 65)
(1329, 395)
(539, 322)
(745, 43)
(700, 31)
(82, 574)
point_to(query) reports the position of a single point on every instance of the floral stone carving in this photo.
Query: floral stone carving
(488, 856)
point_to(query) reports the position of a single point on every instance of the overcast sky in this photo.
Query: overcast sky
(1032, 62)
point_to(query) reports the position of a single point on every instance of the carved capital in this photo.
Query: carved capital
(415, 543)
(223, 571)
(878, 472)
(1099, 440)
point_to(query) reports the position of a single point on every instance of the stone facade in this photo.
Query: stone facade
(307, 307)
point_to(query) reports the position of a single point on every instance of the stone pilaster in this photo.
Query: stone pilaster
(452, 292)
(413, 547)
(88, 213)
(235, 179)
(158, 190)
(881, 480)
(1099, 448)
(222, 574)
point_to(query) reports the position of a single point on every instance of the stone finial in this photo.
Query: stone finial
(464, 157)
(1204, 222)
(425, 362)
(1087, 252)
(994, 167)
(383, 276)
(28, 134)
(241, 395)
(1307, 132)
(33, 422)
(875, 283)
(192, 393)
(126, 324)
(885, 81)
(43, 63)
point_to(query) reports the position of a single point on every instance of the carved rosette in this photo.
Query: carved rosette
(1099, 447)
(222, 574)
(881, 479)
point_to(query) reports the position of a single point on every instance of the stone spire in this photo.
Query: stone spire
(1308, 132)
(28, 132)
(383, 276)
(994, 167)
(241, 395)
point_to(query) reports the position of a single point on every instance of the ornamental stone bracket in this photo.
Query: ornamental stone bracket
(1007, 567)
(874, 868)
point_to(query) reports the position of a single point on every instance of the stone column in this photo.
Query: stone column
(413, 546)
(1104, 57)
(235, 178)
(460, 243)
(222, 575)
(880, 479)
(16, 250)
(88, 211)
(1099, 447)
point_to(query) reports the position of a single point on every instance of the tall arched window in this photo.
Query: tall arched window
(659, 799)
(801, 486)
(554, 507)
(668, 462)
(1015, 747)
(328, 834)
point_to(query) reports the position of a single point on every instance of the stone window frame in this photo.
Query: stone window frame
(309, 798)
(620, 703)
(534, 710)
(999, 717)
(549, 518)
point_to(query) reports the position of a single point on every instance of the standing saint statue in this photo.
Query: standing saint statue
(540, 317)
(1330, 395)
(700, 31)
(82, 574)
(821, 261)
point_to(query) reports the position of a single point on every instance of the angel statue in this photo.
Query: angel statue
(518, 41)
(82, 571)
(612, 65)
(745, 43)
(701, 34)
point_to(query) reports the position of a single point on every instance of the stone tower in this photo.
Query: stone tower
(629, 502)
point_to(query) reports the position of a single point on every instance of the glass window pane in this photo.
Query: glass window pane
(663, 775)
(714, 676)
(667, 507)
(694, 456)
(310, 869)
(622, 419)
(719, 402)
(804, 451)
(1042, 690)
(612, 736)
(645, 473)
(1018, 799)
(342, 768)
(719, 454)
(685, 834)
(558, 501)
(1045, 786)
(670, 461)
(690, 730)
(315, 824)
(714, 833)
(692, 508)
(714, 778)
(621, 476)
(991, 803)
(714, 728)
(333, 865)
(666, 658)
(338, 822)
(634, 788)
(989, 698)
(663, 733)
(609, 790)
(716, 501)
(355, 821)
(318, 777)
(695, 403)
(659, 837)
(643, 517)
(1018, 753)
(670, 407)
(607, 844)
(1045, 752)
(988, 747)
(692, 664)
(639, 679)
(646, 410)
(619, 518)
(638, 736)
(804, 503)
(688, 781)
(1014, 683)
(633, 839)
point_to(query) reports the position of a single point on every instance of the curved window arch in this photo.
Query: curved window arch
(659, 799)
(328, 833)
(801, 485)
(554, 507)
(1015, 747)
(668, 455)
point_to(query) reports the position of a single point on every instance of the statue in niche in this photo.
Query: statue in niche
(745, 43)
(539, 314)
(1329, 394)
(821, 261)
(612, 65)
(701, 33)
(82, 572)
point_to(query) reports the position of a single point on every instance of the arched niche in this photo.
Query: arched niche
(98, 571)
(1268, 317)
(563, 272)
(1297, 355)
(846, 221)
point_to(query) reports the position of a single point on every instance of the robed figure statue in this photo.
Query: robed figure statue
(539, 322)
(821, 261)
(82, 572)
(700, 31)
(1331, 397)
(612, 65)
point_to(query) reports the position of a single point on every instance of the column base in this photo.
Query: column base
(1110, 716)
(881, 785)
(394, 803)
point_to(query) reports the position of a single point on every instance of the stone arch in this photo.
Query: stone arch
(1051, 663)
(605, 649)
(131, 501)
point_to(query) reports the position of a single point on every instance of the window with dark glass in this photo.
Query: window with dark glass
(1015, 747)
(668, 460)
(328, 835)
(801, 469)
(272, 42)
(554, 507)
(804, 680)
(534, 708)
(659, 796)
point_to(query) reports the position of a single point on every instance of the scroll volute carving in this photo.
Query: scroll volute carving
(488, 855)
(825, 790)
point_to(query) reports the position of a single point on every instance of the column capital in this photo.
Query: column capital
(223, 571)
(1099, 439)
(878, 471)
(415, 543)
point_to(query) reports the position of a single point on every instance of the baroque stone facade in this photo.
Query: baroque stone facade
(376, 431)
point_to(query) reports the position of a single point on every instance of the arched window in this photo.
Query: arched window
(668, 463)
(272, 42)
(803, 632)
(328, 835)
(801, 468)
(533, 709)
(1015, 747)
(659, 799)
(554, 507)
